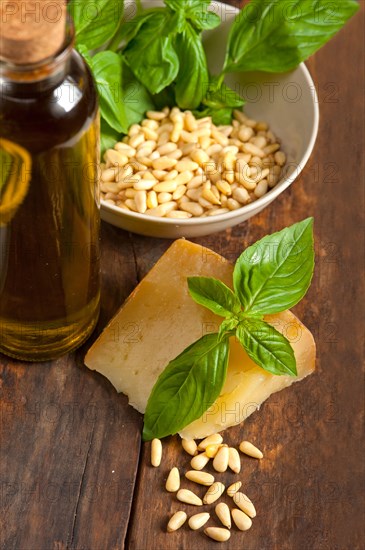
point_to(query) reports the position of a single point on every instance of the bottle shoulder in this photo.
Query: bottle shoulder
(39, 118)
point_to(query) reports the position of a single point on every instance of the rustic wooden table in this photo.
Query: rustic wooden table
(73, 471)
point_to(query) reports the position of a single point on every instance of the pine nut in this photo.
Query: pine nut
(214, 149)
(136, 140)
(253, 150)
(220, 462)
(167, 148)
(216, 211)
(172, 175)
(144, 185)
(186, 164)
(184, 177)
(203, 478)
(125, 149)
(164, 163)
(212, 450)
(184, 495)
(178, 214)
(131, 205)
(269, 149)
(217, 533)
(242, 521)
(152, 201)
(149, 133)
(129, 193)
(176, 132)
(224, 187)
(214, 492)
(241, 195)
(232, 204)
(244, 503)
(189, 446)
(232, 489)
(223, 513)
(240, 116)
(193, 208)
(176, 521)
(200, 157)
(162, 209)
(108, 174)
(234, 461)
(280, 158)
(220, 138)
(164, 197)
(134, 130)
(259, 141)
(214, 439)
(245, 133)
(190, 121)
(261, 189)
(198, 520)
(156, 451)
(208, 195)
(250, 450)
(196, 182)
(204, 141)
(148, 123)
(180, 191)
(159, 174)
(194, 194)
(173, 481)
(199, 461)
(156, 115)
(165, 187)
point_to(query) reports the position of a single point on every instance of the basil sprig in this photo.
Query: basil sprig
(269, 277)
(277, 35)
(157, 59)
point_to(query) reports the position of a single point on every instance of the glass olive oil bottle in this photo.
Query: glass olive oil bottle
(49, 198)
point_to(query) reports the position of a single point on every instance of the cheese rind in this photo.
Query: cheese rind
(160, 319)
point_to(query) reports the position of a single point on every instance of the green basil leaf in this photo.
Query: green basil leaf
(151, 54)
(214, 295)
(227, 327)
(108, 137)
(221, 96)
(220, 117)
(95, 20)
(107, 70)
(267, 347)
(84, 51)
(187, 387)
(204, 20)
(275, 273)
(197, 12)
(276, 35)
(165, 98)
(193, 74)
(136, 98)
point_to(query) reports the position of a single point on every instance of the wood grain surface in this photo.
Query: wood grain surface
(73, 472)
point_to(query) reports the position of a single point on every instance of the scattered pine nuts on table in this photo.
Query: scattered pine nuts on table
(243, 511)
(176, 166)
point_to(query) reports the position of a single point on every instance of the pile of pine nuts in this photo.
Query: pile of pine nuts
(176, 166)
(224, 457)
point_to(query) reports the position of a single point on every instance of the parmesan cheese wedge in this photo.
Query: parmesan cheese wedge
(160, 319)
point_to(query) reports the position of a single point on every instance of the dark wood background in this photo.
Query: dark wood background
(74, 474)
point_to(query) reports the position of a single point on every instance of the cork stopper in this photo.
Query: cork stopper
(31, 31)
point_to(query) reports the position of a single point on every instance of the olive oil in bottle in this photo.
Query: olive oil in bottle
(49, 197)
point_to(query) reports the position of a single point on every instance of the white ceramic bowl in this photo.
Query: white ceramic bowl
(288, 102)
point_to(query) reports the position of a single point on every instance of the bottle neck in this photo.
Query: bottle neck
(37, 77)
